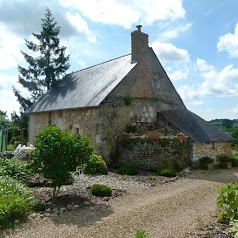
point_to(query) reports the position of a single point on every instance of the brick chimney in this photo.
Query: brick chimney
(139, 44)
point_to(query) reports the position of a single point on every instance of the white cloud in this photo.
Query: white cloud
(169, 52)
(212, 82)
(8, 101)
(206, 81)
(188, 93)
(231, 112)
(198, 103)
(177, 75)
(174, 32)
(81, 26)
(229, 43)
(202, 66)
(9, 49)
(125, 13)
(218, 83)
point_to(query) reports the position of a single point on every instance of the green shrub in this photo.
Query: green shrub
(177, 166)
(227, 202)
(58, 153)
(206, 159)
(14, 168)
(10, 147)
(131, 129)
(127, 100)
(38, 207)
(101, 190)
(234, 161)
(16, 201)
(167, 172)
(153, 169)
(95, 165)
(128, 169)
(224, 158)
(234, 228)
(141, 234)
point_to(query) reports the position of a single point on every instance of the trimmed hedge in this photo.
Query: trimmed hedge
(101, 190)
(167, 172)
(128, 169)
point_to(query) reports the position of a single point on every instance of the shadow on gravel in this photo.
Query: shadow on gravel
(216, 175)
(85, 216)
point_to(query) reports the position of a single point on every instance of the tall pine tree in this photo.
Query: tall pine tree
(46, 66)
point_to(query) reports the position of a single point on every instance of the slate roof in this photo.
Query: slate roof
(85, 88)
(194, 126)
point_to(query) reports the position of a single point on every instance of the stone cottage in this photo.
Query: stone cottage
(101, 101)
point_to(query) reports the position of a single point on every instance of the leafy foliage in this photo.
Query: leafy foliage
(131, 128)
(47, 68)
(4, 121)
(38, 207)
(234, 228)
(127, 100)
(101, 190)
(227, 123)
(167, 172)
(128, 169)
(14, 168)
(95, 165)
(234, 134)
(206, 159)
(141, 234)
(153, 169)
(15, 201)
(58, 153)
(224, 158)
(234, 160)
(227, 202)
(19, 130)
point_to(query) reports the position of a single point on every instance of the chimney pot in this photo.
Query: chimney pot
(139, 27)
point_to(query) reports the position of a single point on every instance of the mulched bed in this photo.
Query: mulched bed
(71, 196)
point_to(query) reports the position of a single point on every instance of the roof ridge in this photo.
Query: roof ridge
(99, 64)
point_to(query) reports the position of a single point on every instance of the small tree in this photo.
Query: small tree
(47, 64)
(58, 153)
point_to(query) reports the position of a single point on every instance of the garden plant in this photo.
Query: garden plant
(16, 201)
(227, 202)
(58, 153)
(94, 165)
(101, 190)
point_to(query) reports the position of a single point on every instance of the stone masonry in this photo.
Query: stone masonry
(145, 152)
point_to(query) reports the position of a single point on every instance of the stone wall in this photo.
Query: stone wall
(159, 152)
(101, 124)
(212, 149)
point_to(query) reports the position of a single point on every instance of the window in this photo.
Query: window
(60, 114)
(49, 118)
(77, 130)
(214, 145)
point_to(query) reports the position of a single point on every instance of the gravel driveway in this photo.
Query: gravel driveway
(173, 209)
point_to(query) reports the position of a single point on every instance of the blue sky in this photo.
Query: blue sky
(196, 42)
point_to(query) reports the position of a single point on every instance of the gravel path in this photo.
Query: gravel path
(174, 209)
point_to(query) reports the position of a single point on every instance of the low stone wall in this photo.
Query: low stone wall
(212, 149)
(154, 151)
